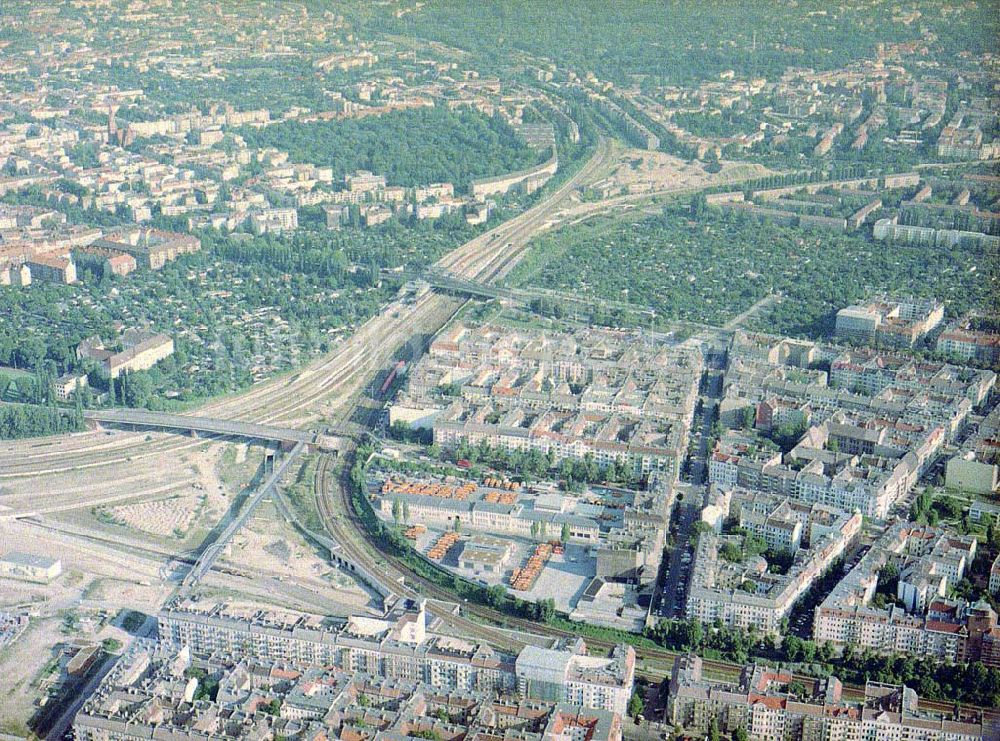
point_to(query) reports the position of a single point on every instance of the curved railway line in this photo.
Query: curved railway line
(487, 258)
(503, 622)
(393, 575)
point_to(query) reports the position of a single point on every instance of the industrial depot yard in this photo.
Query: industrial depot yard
(594, 553)
(563, 578)
(545, 372)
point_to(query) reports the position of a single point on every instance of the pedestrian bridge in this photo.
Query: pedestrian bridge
(211, 554)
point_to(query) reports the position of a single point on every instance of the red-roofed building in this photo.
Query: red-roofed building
(778, 706)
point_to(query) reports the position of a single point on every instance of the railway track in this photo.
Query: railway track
(493, 255)
(488, 258)
(495, 624)
(372, 344)
(395, 578)
(295, 398)
(653, 663)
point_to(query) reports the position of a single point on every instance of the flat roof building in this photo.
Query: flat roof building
(894, 323)
(29, 567)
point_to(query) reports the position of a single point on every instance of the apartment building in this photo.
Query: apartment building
(641, 446)
(397, 646)
(151, 248)
(739, 460)
(438, 191)
(525, 181)
(746, 593)
(573, 677)
(140, 350)
(884, 389)
(52, 269)
(785, 525)
(957, 142)
(15, 275)
(891, 231)
(274, 220)
(869, 482)
(961, 340)
(337, 216)
(615, 396)
(541, 136)
(871, 372)
(929, 624)
(182, 123)
(363, 181)
(767, 704)
(66, 386)
(108, 262)
(147, 695)
(375, 214)
(894, 323)
(873, 429)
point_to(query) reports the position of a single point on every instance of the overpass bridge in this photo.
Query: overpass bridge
(183, 423)
(445, 282)
(211, 554)
(448, 283)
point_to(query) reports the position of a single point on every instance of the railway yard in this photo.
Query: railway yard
(150, 501)
(159, 478)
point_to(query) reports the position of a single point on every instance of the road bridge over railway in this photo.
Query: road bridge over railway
(211, 554)
(449, 283)
(184, 423)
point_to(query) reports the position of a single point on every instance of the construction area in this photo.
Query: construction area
(126, 543)
(640, 171)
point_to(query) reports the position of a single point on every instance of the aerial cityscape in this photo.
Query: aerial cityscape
(508, 371)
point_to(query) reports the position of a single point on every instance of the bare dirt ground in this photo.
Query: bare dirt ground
(117, 539)
(71, 482)
(21, 663)
(97, 582)
(82, 559)
(271, 545)
(641, 171)
(172, 501)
